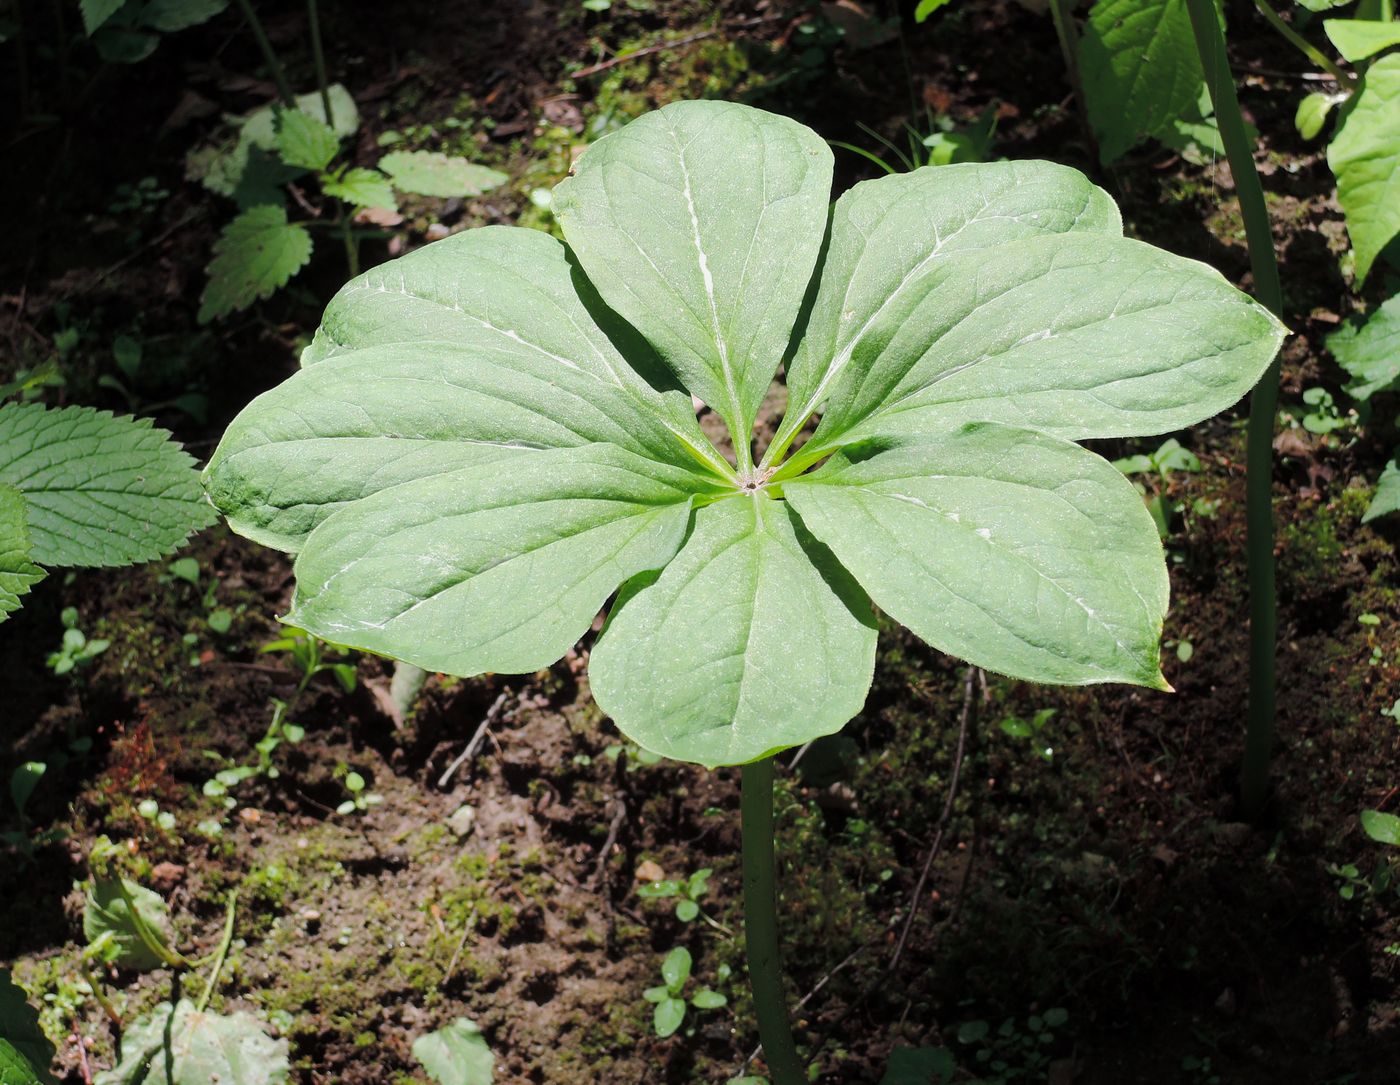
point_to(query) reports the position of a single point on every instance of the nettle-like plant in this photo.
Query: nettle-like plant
(492, 435)
(81, 488)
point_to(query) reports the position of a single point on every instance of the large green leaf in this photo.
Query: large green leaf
(515, 296)
(1073, 334)
(700, 223)
(456, 1054)
(246, 168)
(185, 1046)
(111, 930)
(1387, 499)
(888, 234)
(25, 1052)
(751, 640)
(17, 573)
(494, 568)
(419, 369)
(1019, 552)
(1357, 39)
(98, 489)
(1140, 70)
(254, 255)
(1365, 157)
(305, 142)
(1369, 350)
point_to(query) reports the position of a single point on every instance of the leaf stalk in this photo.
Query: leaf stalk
(1317, 56)
(761, 925)
(1263, 407)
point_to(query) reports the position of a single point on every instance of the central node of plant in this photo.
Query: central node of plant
(752, 480)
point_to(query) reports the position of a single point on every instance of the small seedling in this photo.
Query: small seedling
(1169, 458)
(76, 650)
(669, 996)
(688, 893)
(151, 811)
(1031, 729)
(1014, 1051)
(23, 781)
(312, 657)
(280, 730)
(359, 799)
(1320, 414)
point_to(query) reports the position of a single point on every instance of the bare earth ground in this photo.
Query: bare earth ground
(1113, 880)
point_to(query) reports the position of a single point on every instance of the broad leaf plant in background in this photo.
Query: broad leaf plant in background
(84, 488)
(491, 436)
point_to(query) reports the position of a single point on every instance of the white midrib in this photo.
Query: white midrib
(843, 357)
(726, 369)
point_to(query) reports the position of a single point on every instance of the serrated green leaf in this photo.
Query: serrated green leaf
(456, 1055)
(1365, 158)
(887, 235)
(98, 489)
(1369, 350)
(1357, 39)
(490, 322)
(255, 255)
(1003, 334)
(305, 142)
(107, 921)
(17, 573)
(25, 1052)
(711, 271)
(1140, 70)
(1381, 827)
(363, 188)
(182, 1046)
(97, 12)
(172, 15)
(495, 568)
(1387, 499)
(668, 1016)
(1019, 552)
(752, 640)
(429, 173)
(246, 168)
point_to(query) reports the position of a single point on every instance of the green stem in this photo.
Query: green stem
(224, 943)
(318, 56)
(274, 66)
(761, 926)
(1061, 12)
(1300, 43)
(101, 996)
(1263, 405)
(148, 938)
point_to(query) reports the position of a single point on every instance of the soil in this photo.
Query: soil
(1102, 872)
